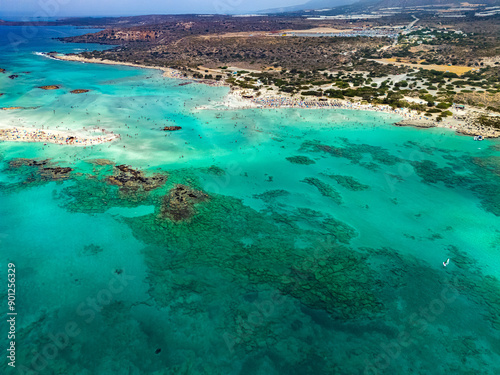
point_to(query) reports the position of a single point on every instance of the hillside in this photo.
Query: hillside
(334, 7)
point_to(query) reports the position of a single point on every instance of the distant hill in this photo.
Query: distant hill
(413, 3)
(312, 4)
(319, 5)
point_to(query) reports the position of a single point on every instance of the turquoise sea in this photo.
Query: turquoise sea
(259, 241)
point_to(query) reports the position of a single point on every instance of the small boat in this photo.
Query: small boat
(447, 262)
(478, 138)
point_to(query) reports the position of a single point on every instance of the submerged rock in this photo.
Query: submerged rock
(354, 152)
(300, 160)
(38, 171)
(349, 182)
(23, 162)
(325, 189)
(92, 249)
(132, 179)
(55, 173)
(271, 195)
(179, 204)
(341, 231)
(214, 170)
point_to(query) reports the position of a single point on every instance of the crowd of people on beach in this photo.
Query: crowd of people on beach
(288, 102)
(282, 101)
(171, 73)
(36, 135)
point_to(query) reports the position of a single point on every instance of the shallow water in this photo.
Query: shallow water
(318, 250)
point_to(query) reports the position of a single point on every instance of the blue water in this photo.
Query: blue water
(329, 266)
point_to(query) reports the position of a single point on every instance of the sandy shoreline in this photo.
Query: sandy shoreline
(167, 72)
(235, 100)
(460, 122)
(59, 137)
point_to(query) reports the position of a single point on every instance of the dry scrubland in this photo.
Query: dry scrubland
(437, 61)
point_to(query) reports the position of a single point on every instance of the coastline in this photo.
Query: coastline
(167, 72)
(237, 98)
(79, 138)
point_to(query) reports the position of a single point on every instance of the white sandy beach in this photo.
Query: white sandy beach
(81, 138)
(460, 122)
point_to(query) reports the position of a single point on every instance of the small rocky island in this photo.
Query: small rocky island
(50, 87)
(171, 128)
(79, 91)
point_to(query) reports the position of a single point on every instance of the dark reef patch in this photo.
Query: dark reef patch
(348, 182)
(325, 189)
(179, 204)
(33, 172)
(92, 249)
(271, 195)
(214, 170)
(339, 230)
(128, 179)
(215, 238)
(353, 152)
(215, 255)
(304, 160)
(480, 176)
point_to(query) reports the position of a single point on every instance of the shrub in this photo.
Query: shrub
(443, 105)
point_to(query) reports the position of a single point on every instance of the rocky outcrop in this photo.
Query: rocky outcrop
(179, 204)
(129, 179)
(22, 162)
(79, 91)
(55, 173)
(12, 108)
(43, 170)
(485, 131)
(171, 128)
(50, 87)
(416, 123)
